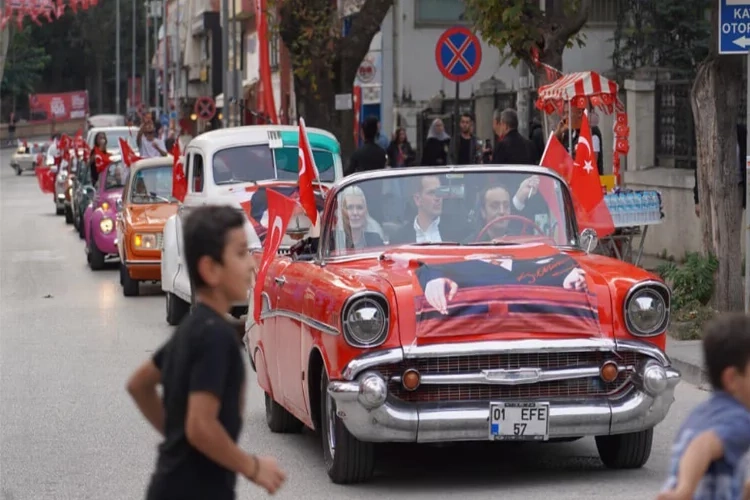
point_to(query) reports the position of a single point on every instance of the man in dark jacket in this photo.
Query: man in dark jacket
(536, 135)
(466, 153)
(741, 168)
(512, 148)
(370, 156)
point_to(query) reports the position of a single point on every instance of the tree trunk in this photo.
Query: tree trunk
(717, 87)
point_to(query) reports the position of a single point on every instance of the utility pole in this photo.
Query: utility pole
(522, 100)
(133, 55)
(156, 15)
(165, 78)
(225, 59)
(117, 57)
(178, 58)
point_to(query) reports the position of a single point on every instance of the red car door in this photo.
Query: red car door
(269, 342)
(293, 285)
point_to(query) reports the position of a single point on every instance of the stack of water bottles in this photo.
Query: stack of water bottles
(634, 208)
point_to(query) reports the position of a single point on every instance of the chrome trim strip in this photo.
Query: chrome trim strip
(508, 346)
(312, 323)
(372, 359)
(142, 262)
(639, 286)
(349, 180)
(520, 376)
(396, 355)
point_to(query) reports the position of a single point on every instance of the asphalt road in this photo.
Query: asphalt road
(69, 340)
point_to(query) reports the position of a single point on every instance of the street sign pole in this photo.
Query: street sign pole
(734, 32)
(225, 59)
(458, 54)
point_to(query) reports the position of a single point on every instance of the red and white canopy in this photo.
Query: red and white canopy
(581, 89)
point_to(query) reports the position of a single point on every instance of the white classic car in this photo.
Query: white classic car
(231, 166)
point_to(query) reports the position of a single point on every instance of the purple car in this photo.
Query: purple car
(99, 217)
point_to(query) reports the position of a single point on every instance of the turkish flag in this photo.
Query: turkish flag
(179, 181)
(280, 210)
(101, 160)
(586, 184)
(308, 173)
(585, 187)
(128, 155)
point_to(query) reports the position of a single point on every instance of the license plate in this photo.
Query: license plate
(519, 421)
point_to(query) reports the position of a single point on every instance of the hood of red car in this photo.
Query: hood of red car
(493, 293)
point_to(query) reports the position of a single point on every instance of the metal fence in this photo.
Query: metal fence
(674, 127)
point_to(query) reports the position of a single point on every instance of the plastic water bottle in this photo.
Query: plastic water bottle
(614, 208)
(653, 207)
(657, 206)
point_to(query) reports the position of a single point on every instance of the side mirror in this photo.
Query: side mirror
(589, 240)
(89, 191)
(118, 205)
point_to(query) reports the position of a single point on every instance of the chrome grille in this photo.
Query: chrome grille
(159, 241)
(455, 365)
(283, 251)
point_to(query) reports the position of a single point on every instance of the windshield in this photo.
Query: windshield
(256, 163)
(152, 185)
(467, 208)
(113, 136)
(116, 174)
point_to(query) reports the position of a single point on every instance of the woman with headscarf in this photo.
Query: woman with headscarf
(437, 146)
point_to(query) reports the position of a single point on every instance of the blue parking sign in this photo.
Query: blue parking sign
(734, 26)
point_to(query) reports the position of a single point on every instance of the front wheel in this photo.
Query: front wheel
(347, 459)
(625, 451)
(176, 309)
(18, 170)
(68, 215)
(81, 228)
(95, 257)
(130, 287)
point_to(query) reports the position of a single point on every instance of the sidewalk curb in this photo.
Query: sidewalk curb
(691, 372)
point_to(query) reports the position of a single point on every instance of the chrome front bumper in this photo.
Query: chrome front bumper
(372, 415)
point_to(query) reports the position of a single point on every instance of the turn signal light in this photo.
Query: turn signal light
(609, 371)
(410, 379)
(105, 206)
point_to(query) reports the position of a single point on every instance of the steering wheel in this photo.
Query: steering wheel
(526, 223)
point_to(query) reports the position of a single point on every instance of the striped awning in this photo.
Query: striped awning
(584, 84)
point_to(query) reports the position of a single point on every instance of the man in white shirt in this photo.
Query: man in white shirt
(149, 145)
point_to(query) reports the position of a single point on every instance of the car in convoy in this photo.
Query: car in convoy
(226, 167)
(99, 216)
(27, 156)
(480, 315)
(145, 206)
(114, 133)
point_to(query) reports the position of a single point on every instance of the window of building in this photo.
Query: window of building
(603, 12)
(439, 12)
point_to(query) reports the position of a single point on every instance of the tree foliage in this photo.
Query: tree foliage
(517, 26)
(24, 65)
(81, 47)
(669, 34)
(324, 59)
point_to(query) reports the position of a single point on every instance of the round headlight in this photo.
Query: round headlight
(106, 225)
(365, 321)
(647, 310)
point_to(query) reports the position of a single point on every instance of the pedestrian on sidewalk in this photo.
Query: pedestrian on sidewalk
(710, 458)
(437, 146)
(202, 373)
(512, 148)
(370, 156)
(468, 151)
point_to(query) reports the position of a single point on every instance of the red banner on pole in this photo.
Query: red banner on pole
(58, 107)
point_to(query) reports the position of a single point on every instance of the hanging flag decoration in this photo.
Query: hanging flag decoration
(179, 181)
(48, 10)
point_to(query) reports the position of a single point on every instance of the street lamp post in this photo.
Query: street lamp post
(132, 55)
(225, 59)
(117, 57)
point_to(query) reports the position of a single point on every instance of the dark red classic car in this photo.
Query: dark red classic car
(459, 304)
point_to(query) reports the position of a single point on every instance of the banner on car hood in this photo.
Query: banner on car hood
(495, 294)
(58, 107)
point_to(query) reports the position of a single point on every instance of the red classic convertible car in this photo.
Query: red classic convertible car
(459, 304)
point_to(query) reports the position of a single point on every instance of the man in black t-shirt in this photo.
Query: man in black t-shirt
(468, 153)
(202, 373)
